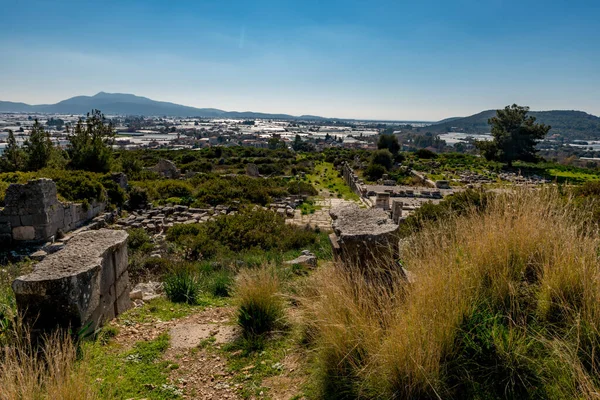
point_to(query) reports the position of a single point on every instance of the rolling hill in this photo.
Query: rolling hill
(568, 124)
(129, 104)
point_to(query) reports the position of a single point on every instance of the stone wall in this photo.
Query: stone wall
(352, 180)
(84, 283)
(32, 212)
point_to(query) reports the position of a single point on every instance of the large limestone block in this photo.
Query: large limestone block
(65, 289)
(366, 238)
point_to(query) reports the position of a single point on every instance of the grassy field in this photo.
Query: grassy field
(325, 179)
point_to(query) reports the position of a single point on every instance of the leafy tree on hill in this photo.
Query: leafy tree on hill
(515, 135)
(91, 142)
(38, 148)
(13, 158)
(389, 142)
(383, 158)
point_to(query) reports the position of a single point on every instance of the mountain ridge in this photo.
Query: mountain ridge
(130, 104)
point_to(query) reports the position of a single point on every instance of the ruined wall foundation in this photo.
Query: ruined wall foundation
(84, 283)
(32, 212)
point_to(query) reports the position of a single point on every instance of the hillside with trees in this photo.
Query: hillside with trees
(570, 125)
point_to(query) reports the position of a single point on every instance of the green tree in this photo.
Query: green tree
(38, 148)
(374, 172)
(276, 144)
(90, 146)
(383, 158)
(389, 142)
(13, 158)
(514, 136)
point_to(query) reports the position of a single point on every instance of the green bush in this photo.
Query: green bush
(181, 286)
(453, 205)
(248, 229)
(173, 188)
(139, 241)
(425, 154)
(138, 198)
(374, 172)
(220, 283)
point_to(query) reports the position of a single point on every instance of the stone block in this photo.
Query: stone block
(367, 238)
(107, 273)
(21, 233)
(5, 228)
(122, 284)
(123, 303)
(65, 288)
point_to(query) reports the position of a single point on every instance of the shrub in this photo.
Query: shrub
(181, 286)
(139, 240)
(458, 203)
(374, 172)
(383, 158)
(260, 308)
(248, 229)
(425, 154)
(220, 283)
(173, 188)
(138, 198)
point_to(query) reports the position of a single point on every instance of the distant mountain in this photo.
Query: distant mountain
(568, 124)
(129, 104)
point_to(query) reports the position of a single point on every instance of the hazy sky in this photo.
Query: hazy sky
(417, 59)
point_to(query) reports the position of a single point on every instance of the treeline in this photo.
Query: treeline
(89, 148)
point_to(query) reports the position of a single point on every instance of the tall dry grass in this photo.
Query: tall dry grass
(49, 371)
(505, 301)
(260, 305)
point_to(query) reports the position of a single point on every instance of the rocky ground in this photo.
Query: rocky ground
(202, 344)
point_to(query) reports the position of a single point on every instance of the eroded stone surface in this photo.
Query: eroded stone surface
(364, 238)
(85, 282)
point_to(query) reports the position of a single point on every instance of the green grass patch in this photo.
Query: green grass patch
(326, 177)
(136, 373)
(250, 367)
(164, 310)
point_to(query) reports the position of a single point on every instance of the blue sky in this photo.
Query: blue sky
(411, 60)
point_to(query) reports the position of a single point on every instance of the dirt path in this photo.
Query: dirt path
(203, 372)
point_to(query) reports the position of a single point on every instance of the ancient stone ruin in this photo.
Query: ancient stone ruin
(32, 212)
(364, 238)
(84, 283)
(166, 169)
(352, 180)
(252, 170)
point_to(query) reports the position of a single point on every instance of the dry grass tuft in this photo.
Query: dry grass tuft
(261, 307)
(506, 303)
(50, 371)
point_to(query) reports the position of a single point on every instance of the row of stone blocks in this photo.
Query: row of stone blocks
(83, 285)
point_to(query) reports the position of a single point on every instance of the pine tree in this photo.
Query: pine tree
(90, 145)
(515, 136)
(13, 158)
(38, 147)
